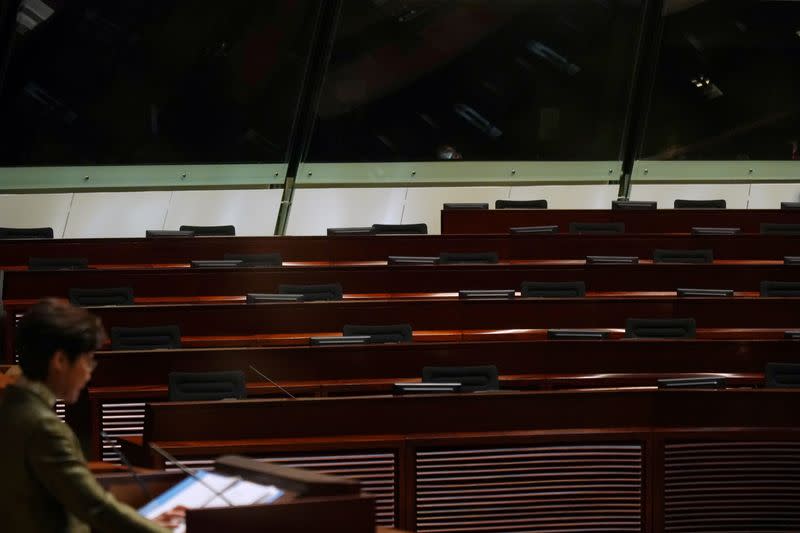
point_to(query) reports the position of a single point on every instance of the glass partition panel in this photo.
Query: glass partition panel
(478, 80)
(100, 82)
(727, 82)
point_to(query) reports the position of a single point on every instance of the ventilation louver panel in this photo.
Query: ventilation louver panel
(732, 486)
(547, 488)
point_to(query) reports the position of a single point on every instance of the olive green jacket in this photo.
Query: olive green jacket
(45, 485)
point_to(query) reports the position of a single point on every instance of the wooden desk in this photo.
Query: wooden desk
(460, 221)
(179, 251)
(627, 460)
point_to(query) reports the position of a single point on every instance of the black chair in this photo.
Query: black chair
(553, 289)
(637, 205)
(399, 229)
(780, 229)
(683, 256)
(601, 228)
(780, 288)
(104, 296)
(147, 338)
(311, 293)
(210, 231)
(256, 260)
(472, 378)
(531, 230)
(456, 258)
(790, 205)
(700, 204)
(661, 328)
(782, 375)
(206, 386)
(58, 263)
(448, 206)
(26, 233)
(520, 204)
(380, 334)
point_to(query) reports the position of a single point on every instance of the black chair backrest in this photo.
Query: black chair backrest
(460, 205)
(553, 289)
(782, 375)
(790, 205)
(780, 288)
(58, 263)
(683, 256)
(26, 233)
(328, 291)
(206, 386)
(210, 231)
(634, 204)
(256, 260)
(380, 334)
(700, 204)
(780, 229)
(166, 233)
(597, 227)
(361, 230)
(472, 378)
(104, 296)
(661, 328)
(452, 258)
(147, 338)
(400, 229)
(520, 204)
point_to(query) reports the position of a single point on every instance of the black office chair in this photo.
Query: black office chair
(782, 375)
(256, 260)
(600, 228)
(472, 378)
(780, 229)
(700, 204)
(380, 334)
(455, 258)
(104, 296)
(661, 328)
(780, 288)
(634, 205)
(210, 231)
(399, 229)
(311, 293)
(683, 256)
(206, 386)
(344, 232)
(26, 233)
(790, 205)
(465, 205)
(520, 204)
(57, 263)
(553, 289)
(147, 338)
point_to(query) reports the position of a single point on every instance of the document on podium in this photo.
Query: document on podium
(192, 494)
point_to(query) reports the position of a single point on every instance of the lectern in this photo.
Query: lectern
(311, 502)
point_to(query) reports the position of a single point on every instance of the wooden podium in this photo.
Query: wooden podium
(311, 502)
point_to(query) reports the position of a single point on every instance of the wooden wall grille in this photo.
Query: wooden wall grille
(547, 488)
(732, 486)
(120, 419)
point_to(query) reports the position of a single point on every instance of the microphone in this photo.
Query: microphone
(286, 392)
(186, 470)
(127, 464)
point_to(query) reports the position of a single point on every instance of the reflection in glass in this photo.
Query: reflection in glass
(478, 80)
(728, 82)
(154, 81)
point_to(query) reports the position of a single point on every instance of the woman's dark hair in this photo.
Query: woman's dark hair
(52, 325)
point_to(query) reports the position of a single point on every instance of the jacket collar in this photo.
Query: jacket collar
(37, 388)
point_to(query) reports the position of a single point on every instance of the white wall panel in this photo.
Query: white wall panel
(315, 210)
(35, 211)
(770, 195)
(253, 212)
(117, 214)
(665, 194)
(424, 204)
(569, 196)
